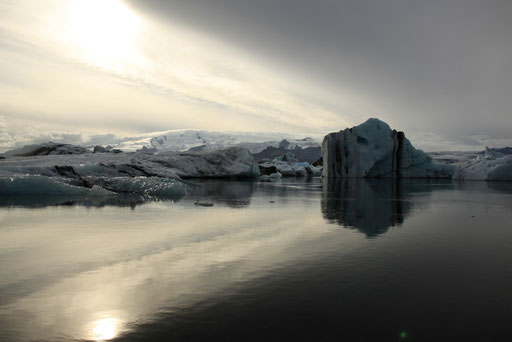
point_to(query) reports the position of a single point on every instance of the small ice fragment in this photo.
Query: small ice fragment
(204, 204)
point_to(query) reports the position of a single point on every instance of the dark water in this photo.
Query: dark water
(284, 261)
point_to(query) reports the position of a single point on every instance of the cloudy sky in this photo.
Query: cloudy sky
(441, 70)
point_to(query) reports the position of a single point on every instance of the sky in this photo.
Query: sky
(82, 71)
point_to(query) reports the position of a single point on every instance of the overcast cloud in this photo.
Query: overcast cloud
(440, 70)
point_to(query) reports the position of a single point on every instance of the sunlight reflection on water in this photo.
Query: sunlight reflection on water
(105, 329)
(98, 273)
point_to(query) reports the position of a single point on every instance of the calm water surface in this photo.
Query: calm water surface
(290, 260)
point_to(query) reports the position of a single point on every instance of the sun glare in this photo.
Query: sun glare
(105, 329)
(102, 32)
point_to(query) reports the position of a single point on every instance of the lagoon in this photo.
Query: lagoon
(354, 260)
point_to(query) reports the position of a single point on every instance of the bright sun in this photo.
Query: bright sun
(102, 32)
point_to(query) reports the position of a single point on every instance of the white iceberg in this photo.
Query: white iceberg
(491, 166)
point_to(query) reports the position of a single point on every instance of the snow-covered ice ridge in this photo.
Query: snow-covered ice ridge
(183, 140)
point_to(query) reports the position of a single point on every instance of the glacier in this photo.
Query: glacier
(175, 140)
(373, 150)
(204, 140)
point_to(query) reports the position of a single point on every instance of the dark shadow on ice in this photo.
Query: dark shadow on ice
(372, 206)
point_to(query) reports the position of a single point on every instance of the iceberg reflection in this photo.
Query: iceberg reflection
(372, 206)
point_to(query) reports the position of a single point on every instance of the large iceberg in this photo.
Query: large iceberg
(230, 162)
(144, 174)
(372, 150)
(492, 165)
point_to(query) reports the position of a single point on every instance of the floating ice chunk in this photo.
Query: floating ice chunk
(306, 169)
(491, 166)
(146, 186)
(204, 204)
(272, 177)
(288, 166)
(91, 186)
(286, 170)
(49, 186)
(301, 171)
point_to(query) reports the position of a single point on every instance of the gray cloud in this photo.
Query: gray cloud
(438, 70)
(441, 65)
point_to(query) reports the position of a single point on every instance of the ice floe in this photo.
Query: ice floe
(492, 165)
